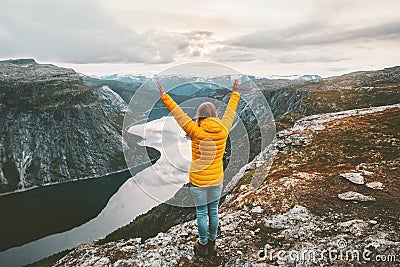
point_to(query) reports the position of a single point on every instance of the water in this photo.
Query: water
(137, 195)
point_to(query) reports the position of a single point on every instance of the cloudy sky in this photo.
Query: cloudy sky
(258, 37)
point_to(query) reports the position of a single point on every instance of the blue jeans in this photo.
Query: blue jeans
(206, 200)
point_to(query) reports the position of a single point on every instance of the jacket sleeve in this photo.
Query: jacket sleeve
(230, 112)
(187, 124)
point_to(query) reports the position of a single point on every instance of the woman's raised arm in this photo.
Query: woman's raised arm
(186, 123)
(230, 112)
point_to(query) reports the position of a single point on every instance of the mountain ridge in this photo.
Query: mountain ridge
(52, 125)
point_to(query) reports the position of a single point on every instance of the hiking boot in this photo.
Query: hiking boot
(212, 248)
(200, 250)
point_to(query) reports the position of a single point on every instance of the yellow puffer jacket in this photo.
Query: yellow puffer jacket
(208, 141)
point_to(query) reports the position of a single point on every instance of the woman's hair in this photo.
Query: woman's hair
(205, 110)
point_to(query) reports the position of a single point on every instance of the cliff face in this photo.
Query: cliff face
(54, 127)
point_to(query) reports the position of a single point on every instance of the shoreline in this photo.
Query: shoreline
(58, 183)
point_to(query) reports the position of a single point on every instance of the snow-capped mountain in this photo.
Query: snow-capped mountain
(127, 78)
(305, 77)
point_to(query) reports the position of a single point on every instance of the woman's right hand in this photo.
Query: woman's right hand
(236, 86)
(160, 87)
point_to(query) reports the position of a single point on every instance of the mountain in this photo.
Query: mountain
(289, 99)
(181, 84)
(292, 100)
(55, 128)
(298, 208)
(124, 89)
(126, 78)
(303, 154)
(309, 77)
(305, 77)
(56, 132)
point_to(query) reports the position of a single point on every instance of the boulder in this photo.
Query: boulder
(354, 177)
(375, 185)
(355, 196)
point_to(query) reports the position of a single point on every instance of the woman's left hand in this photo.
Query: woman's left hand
(160, 87)
(236, 86)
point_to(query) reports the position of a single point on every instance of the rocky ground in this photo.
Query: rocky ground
(331, 198)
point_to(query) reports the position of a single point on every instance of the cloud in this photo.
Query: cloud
(311, 56)
(156, 33)
(313, 40)
(82, 32)
(239, 54)
(197, 34)
(315, 33)
(227, 54)
(338, 68)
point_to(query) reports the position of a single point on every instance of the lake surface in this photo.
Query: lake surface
(131, 197)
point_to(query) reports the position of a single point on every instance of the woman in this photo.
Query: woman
(208, 135)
